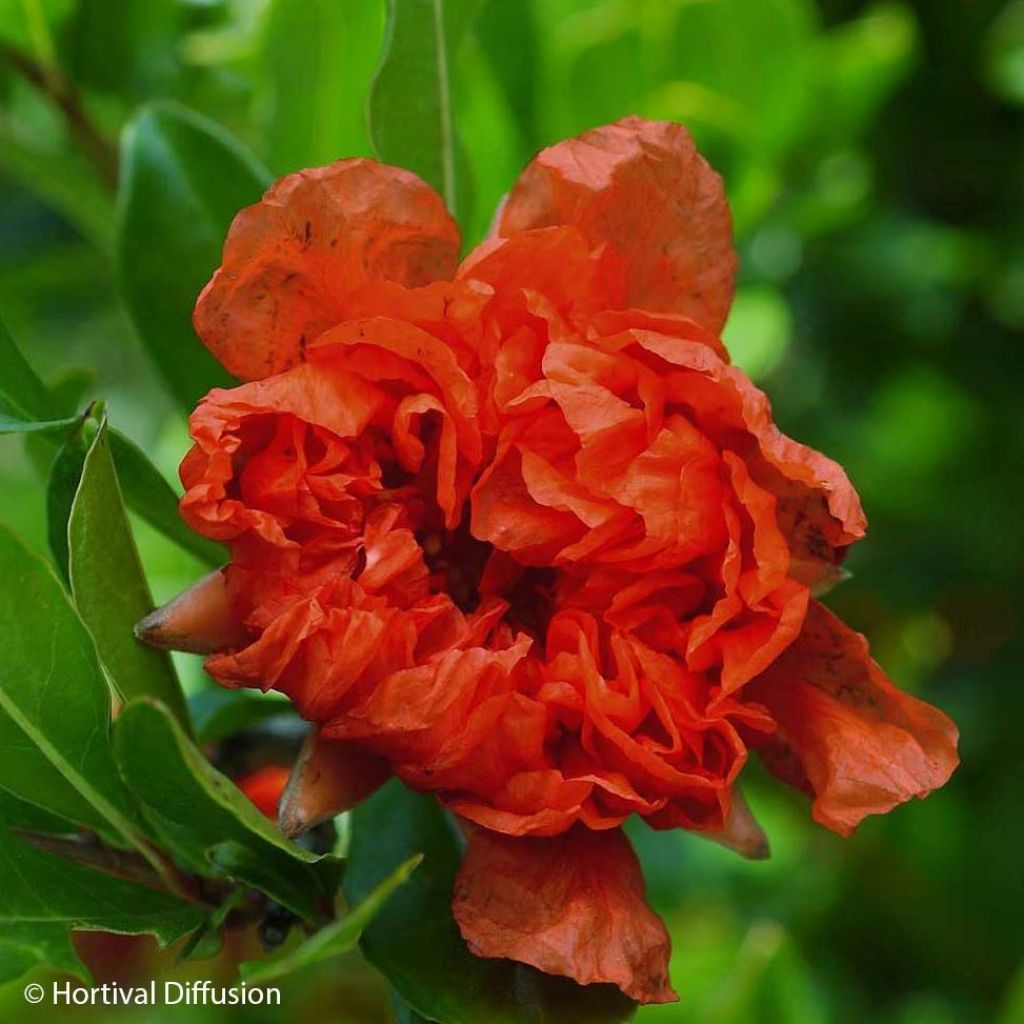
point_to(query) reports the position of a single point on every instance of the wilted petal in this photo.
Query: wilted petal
(643, 187)
(293, 262)
(860, 745)
(571, 905)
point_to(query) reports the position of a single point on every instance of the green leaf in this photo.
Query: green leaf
(318, 59)
(52, 689)
(130, 47)
(109, 586)
(182, 181)
(10, 425)
(219, 713)
(51, 890)
(151, 497)
(402, 1011)
(411, 119)
(22, 393)
(335, 938)
(205, 942)
(61, 488)
(62, 180)
(204, 820)
(26, 773)
(28, 944)
(415, 942)
(23, 396)
(508, 34)
(28, 24)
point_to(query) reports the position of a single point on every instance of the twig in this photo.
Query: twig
(114, 862)
(53, 84)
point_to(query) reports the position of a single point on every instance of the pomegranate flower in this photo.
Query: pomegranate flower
(514, 530)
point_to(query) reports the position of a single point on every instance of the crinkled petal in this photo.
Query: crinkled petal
(572, 905)
(818, 509)
(642, 187)
(845, 732)
(559, 268)
(293, 262)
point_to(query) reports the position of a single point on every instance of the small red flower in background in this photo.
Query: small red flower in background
(517, 532)
(264, 786)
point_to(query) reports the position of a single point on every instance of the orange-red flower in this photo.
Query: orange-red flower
(517, 529)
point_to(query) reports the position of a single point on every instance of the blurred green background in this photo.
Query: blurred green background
(874, 156)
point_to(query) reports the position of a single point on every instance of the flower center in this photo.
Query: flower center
(471, 571)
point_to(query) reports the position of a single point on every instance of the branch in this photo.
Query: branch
(114, 862)
(58, 90)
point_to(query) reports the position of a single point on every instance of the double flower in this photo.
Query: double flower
(514, 530)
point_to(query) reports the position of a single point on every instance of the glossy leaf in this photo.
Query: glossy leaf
(204, 820)
(11, 425)
(151, 497)
(335, 938)
(52, 689)
(403, 1012)
(109, 586)
(182, 181)
(61, 488)
(53, 891)
(219, 714)
(318, 59)
(129, 48)
(25, 772)
(22, 394)
(415, 942)
(508, 34)
(411, 118)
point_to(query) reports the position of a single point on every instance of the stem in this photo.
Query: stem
(52, 83)
(114, 862)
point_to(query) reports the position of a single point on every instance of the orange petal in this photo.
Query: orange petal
(200, 620)
(817, 508)
(293, 261)
(643, 187)
(859, 745)
(328, 778)
(571, 905)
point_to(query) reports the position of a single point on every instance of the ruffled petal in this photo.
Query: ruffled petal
(845, 732)
(818, 510)
(642, 187)
(294, 261)
(572, 905)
